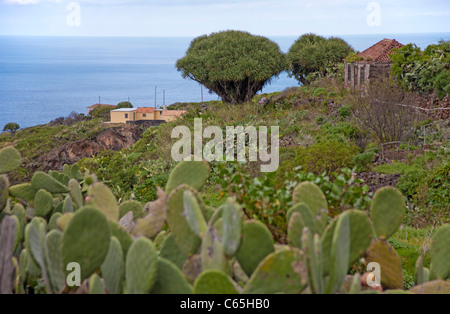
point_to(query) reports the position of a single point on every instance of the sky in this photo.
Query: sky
(180, 18)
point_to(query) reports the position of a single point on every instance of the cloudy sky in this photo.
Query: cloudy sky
(196, 17)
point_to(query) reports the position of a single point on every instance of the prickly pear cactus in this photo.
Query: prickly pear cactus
(24, 191)
(7, 234)
(75, 193)
(440, 253)
(212, 251)
(231, 227)
(96, 285)
(339, 255)
(170, 279)
(432, 287)
(384, 254)
(280, 272)
(312, 252)
(257, 243)
(305, 214)
(387, 209)
(214, 282)
(10, 159)
(295, 228)
(312, 195)
(192, 173)
(172, 252)
(53, 260)
(113, 267)
(4, 192)
(131, 206)
(43, 203)
(141, 267)
(41, 180)
(193, 214)
(422, 274)
(102, 198)
(86, 240)
(186, 239)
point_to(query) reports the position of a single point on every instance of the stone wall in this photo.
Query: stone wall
(147, 123)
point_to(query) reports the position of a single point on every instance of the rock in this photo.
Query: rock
(113, 139)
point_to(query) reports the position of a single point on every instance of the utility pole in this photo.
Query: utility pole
(155, 96)
(164, 98)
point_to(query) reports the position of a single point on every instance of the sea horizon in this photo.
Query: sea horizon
(52, 76)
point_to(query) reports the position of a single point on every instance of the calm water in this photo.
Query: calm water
(42, 78)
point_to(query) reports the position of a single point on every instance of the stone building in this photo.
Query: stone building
(374, 64)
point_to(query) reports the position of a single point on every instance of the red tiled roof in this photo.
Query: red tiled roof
(101, 105)
(380, 51)
(145, 110)
(175, 113)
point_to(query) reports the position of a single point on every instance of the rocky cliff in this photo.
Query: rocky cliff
(115, 139)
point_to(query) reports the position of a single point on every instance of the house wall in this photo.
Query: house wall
(149, 116)
(357, 75)
(119, 117)
(168, 118)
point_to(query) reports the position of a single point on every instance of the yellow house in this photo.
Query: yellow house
(123, 115)
(144, 113)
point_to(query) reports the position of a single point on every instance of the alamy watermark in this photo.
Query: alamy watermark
(74, 17)
(374, 18)
(374, 277)
(232, 148)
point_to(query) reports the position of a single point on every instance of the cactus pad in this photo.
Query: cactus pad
(10, 159)
(86, 240)
(280, 272)
(257, 243)
(101, 197)
(131, 206)
(186, 239)
(440, 253)
(41, 180)
(4, 192)
(141, 267)
(113, 267)
(24, 191)
(54, 260)
(170, 279)
(214, 282)
(312, 195)
(231, 227)
(192, 173)
(383, 253)
(172, 252)
(432, 287)
(388, 209)
(43, 203)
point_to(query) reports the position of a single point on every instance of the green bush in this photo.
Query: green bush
(102, 112)
(327, 156)
(320, 92)
(124, 104)
(363, 161)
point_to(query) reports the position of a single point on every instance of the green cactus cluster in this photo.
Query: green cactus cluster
(65, 230)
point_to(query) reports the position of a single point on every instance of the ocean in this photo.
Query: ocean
(43, 78)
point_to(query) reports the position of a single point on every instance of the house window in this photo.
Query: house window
(362, 75)
(126, 116)
(349, 72)
(144, 115)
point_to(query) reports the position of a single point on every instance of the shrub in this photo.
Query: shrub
(102, 112)
(124, 104)
(327, 156)
(320, 92)
(363, 161)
